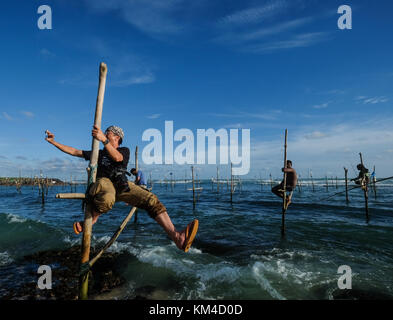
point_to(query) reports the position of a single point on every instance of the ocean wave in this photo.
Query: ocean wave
(258, 271)
(5, 258)
(12, 218)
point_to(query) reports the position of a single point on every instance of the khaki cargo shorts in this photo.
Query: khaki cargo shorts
(104, 197)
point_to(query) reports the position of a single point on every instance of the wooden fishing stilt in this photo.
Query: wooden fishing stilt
(284, 202)
(365, 190)
(312, 182)
(346, 185)
(114, 237)
(92, 172)
(327, 184)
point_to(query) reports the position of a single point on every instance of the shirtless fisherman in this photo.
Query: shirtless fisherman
(278, 190)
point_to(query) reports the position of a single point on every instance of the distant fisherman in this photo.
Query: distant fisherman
(112, 185)
(278, 190)
(364, 176)
(139, 178)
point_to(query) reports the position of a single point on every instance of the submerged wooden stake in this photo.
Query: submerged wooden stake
(284, 202)
(346, 185)
(92, 172)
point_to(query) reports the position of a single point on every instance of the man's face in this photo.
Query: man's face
(113, 139)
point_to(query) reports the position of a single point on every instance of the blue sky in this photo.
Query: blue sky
(258, 65)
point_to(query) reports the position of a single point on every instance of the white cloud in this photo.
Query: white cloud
(154, 17)
(372, 100)
(321, 106)
(27, 114)
(239, 37)
(331, 147)
(256, 14)
(7, 116)
(315, 135)
(154, 116)
(46, 53)
(297, 41)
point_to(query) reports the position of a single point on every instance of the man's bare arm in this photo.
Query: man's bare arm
(66, 149)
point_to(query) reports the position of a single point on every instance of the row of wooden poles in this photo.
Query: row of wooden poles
(43, 184)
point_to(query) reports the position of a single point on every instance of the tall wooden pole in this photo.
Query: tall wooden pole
(284, 202)
(312, 182)
(92, 173)
(346, 185)
(365, 189)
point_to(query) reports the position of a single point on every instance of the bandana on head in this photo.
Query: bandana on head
(116, 130)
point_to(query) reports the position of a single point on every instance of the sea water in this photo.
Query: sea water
(238, 252)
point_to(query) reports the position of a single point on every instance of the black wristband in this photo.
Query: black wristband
(106, 142)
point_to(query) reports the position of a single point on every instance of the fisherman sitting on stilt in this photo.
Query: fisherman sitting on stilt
(290, 185)
(364, 176)
(112, 185)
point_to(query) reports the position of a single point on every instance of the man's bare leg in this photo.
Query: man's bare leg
(94, 215)
(165, 222)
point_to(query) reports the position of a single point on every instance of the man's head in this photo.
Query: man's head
(289, 164)
(115, 134)
(134, 171)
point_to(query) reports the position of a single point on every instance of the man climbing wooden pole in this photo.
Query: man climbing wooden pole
(288, 184)
(92, 172)
(364, 184)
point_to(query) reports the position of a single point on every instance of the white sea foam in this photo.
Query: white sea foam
(12, 218)
(5, 258)
(258, 270)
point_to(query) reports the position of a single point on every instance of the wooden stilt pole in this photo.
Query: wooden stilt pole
(114, 237)
(284, 203)
(365, 193)
(327, 184)
(92, 172)
(346, 185)
(312, 182)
